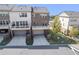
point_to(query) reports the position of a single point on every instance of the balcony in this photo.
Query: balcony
(4, 24)
(20, 27)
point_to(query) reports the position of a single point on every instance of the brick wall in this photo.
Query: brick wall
(38, 20)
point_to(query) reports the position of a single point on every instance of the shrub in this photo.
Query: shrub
(73, 32)
(29, 40)
(6, 40)
(56, 26)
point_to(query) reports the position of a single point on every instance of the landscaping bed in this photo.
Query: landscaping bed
(29, 40)
(6, 40)
(58, 38)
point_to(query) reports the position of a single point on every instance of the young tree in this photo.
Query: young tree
(56, 26)
(73, 32)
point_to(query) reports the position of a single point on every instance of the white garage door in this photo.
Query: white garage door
(38, 32)
(19, 32)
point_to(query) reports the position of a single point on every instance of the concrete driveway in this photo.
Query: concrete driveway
(1, 38)
(40, 40)
(18, 41)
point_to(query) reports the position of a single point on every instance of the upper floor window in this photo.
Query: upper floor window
(43, 15)
(63, 24)
(62, 19)
(4, 15)
(13, 23)
(23, 14)
(4, 22)
(33, 15)
(19, 24)
(73, 20)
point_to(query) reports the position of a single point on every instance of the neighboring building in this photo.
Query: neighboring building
(68, 19)
(19, 19)
(4, 18)
(50, 24)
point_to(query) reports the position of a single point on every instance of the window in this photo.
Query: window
(33, 15)
(63, 24)
(13, 24)
(21, 23)
(23, 14)
(4, 15)
(73, 20)
(26, 23)
(43, 15)
(17, 23)
(73, 24)
(0, 22)
(3, 22)
(62, 19)
(33, 23)
(7, 22)
(43, 24)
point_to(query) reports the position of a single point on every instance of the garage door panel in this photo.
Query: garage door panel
(38, 32)
(40, 40)
(19, 32)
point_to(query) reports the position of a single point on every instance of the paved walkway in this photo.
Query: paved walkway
(75, 46)
(18, 41)
(40, 40)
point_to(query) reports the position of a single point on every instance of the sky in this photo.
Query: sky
(55, 9)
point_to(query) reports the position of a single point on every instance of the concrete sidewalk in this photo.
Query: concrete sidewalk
(61, 50)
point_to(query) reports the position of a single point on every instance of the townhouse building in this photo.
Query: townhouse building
(68, 19)
(19, 19)
(40, 20)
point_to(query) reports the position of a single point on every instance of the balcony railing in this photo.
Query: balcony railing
(19, 26)
(4, 26)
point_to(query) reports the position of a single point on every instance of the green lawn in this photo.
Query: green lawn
(58, 38)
